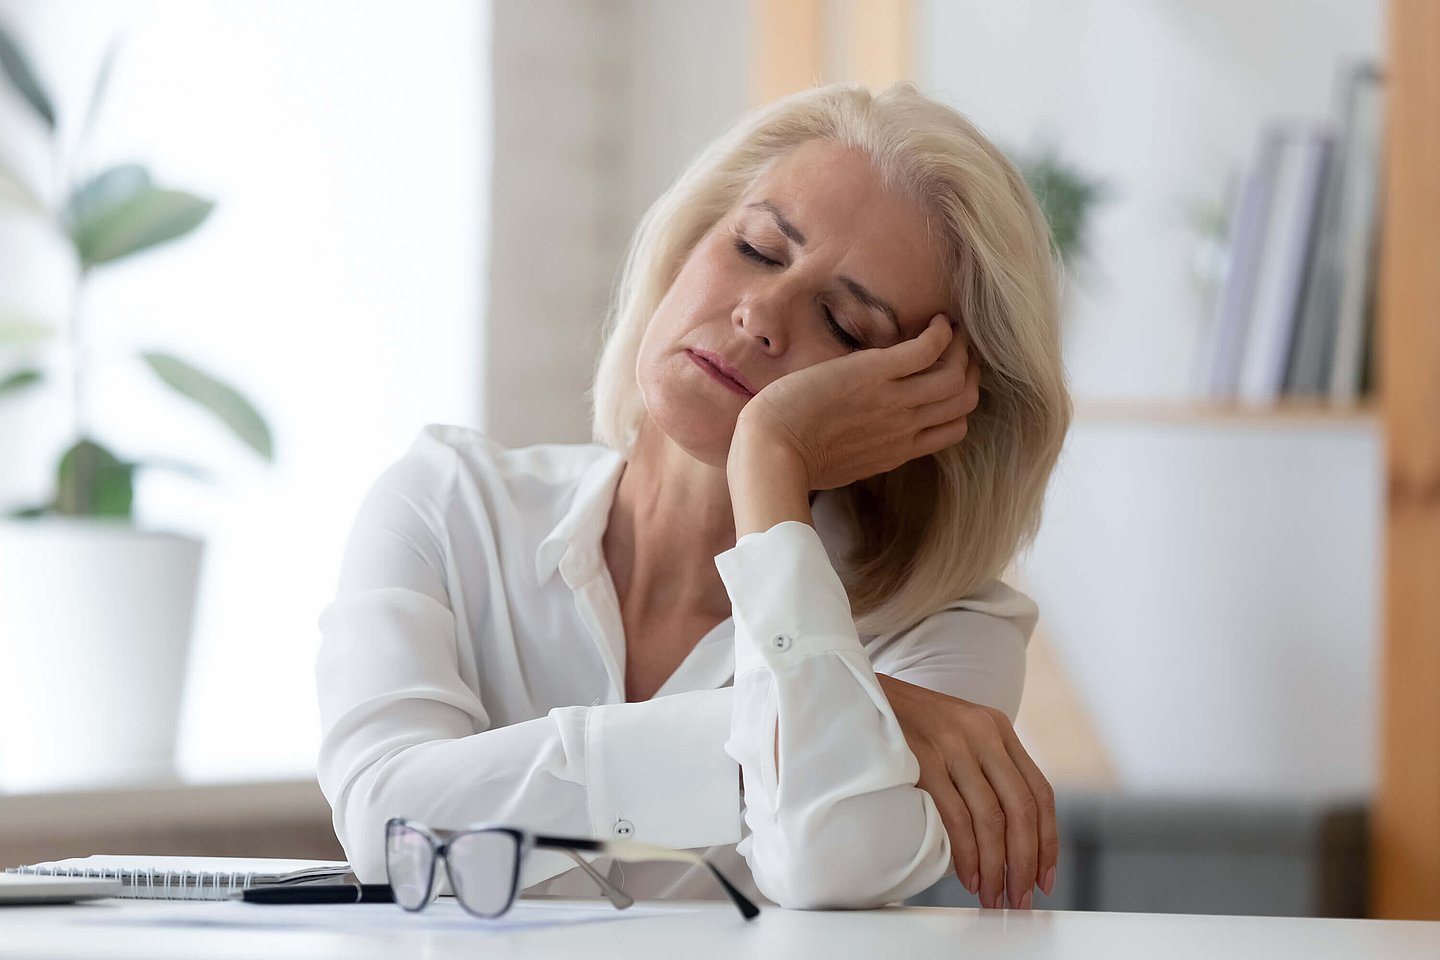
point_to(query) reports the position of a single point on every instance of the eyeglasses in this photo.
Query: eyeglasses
(483, 863)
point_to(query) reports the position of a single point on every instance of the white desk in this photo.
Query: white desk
(687, 931)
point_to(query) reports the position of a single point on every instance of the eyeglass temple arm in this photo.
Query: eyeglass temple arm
(634, 850)
(614, 894)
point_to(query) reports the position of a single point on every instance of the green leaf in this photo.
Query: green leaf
(107, 190)
(147, 218)
(93, 482)
(19, 380)
(15, 192)
(17, 331)
(97, 92)
(17, 68)
(26, 513)
(1067, 197)
(219, 399)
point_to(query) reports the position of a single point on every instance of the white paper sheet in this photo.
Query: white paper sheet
(444, 914)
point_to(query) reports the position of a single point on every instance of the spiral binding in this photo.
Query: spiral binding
(156, 884)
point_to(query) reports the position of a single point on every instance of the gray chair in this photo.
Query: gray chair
(1144, 853)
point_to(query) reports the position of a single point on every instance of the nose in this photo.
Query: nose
(762, 318)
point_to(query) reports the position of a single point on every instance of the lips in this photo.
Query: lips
(716, 366)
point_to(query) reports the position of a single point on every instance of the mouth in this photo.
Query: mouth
(720, 371)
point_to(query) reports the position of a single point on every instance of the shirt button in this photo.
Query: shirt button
(780, 642)
(624, 828)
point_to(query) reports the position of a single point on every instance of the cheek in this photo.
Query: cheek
(704, 290)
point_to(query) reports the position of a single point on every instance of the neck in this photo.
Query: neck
(670, 517)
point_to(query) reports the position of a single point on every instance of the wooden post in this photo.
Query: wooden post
(1406, 825)
(800, 43)
(880, 42)
(788, 40)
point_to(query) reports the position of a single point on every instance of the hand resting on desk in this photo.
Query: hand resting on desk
(997, 807)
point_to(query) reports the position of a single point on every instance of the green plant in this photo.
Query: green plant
(1067, 196)
(106, 217)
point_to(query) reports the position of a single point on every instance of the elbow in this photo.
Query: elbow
(360, 806)
(360, 827)
(828, 883)
(850, 862)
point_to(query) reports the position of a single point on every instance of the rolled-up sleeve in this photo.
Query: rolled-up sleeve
(402, 734)
(840, 822)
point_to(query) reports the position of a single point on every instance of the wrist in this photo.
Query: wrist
(768, 482)
(756, 451)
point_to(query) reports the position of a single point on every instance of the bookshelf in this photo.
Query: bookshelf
(798, 42)
(1289, 412)
(1405, 824)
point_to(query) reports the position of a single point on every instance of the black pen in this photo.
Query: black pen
(336, 893)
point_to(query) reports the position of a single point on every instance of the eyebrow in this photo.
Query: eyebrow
(857, 289)
(786, 227)
(873, 302)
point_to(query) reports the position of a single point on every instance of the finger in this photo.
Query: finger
(988, 818)
(1049, 832)
(940, 433)
(914, 355)
(936, 382)
(953, 407)
(957, 349)
(956, 372)
(958, 827)
(933, 439)
(1022, 820)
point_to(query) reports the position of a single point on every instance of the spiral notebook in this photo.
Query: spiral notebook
(190, 878)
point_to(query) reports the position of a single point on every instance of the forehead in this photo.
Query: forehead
(835, 197)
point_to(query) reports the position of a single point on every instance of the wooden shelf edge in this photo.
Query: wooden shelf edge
(1291, 411)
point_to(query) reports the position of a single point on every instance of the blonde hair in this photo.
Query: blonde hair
(939, 527)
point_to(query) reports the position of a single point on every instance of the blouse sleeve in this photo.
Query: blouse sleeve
(841, 823)
(404, 735)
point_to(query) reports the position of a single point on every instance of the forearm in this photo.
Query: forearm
(767, 486)
(768, 483)
(400, 730)
(848, 827)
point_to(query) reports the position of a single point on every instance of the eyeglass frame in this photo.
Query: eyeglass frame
(440, 840)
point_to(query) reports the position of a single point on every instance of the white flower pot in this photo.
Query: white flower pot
(95, 625)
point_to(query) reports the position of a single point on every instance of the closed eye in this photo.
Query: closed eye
(838, 332)
(748, 251)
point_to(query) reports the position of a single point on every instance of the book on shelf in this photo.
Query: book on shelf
(1289, 238)
(1358, 235)
(1353, 174)
(1295, 311)
(1247, 241)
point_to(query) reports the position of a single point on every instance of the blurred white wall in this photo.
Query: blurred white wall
(598, 107)
(1212, 589)
(338, 284)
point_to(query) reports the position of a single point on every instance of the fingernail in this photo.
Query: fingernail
(1026, 900)
(1049, 885)
(974, 885)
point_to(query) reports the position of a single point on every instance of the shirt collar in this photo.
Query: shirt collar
(583, 522)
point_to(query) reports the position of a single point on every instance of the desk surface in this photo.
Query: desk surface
(692, 930)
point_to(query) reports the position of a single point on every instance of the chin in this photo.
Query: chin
(699, 428)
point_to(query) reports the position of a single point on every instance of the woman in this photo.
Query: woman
(760, 617)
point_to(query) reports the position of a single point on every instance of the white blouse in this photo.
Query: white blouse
(461, 680)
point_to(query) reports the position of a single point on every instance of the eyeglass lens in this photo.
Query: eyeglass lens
(410, 862)
(482, 870)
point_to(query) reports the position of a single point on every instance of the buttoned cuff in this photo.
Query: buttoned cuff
(787, 600)
(657, 771)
